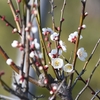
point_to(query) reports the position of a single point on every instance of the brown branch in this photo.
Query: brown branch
(86, 63)
(16, 69)
(89, 79)
(27, 60)
(52, 13)
(19, 12)
(61, 17)
(14, 14)
(43, 42)
(77, 41)
(95, 95)
(9, 24)
(85, 83)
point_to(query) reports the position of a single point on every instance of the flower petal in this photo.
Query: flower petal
(68, 68)
(57, 63)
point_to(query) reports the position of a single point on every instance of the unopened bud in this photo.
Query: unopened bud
(83, 26)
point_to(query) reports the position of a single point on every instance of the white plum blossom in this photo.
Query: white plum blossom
(57, 63)
(32, 54)
(73, 36)
(63, 46)
(68, 68)
(9, 61)
(82, 54)
(14, 44)
(40, 68)
(37, 54)
(54, 36)
(36, 44)
(53, 53)
(34, 29)
(47, 30)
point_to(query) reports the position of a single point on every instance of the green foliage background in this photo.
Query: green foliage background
(72, 14)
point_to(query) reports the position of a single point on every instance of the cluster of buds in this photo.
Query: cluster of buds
(16, 44)
(54, 87)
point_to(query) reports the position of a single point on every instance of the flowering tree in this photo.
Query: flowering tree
(46, 54)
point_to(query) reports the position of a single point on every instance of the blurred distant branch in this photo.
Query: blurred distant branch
(52, 13)
(6, 97)
(15, 67)
(94, 96)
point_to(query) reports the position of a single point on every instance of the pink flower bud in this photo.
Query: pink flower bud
(2, 73)
(19, 1)
(7, 24)
(29, 24)
(45, 81)
(21, 80)
(17, 18)
(46, 67)
(3, 18)
(9, 61)
(86, 13)
(58, 28)
(92, 92)
(51, 92)
(21, 48)
(54, 88)
(14, 30)
(26, 29)
(17, 11)
(83, 26)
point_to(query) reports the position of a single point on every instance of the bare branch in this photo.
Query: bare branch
(52, 13)
(77, 40)
(16, 69)
(88, 81)
(6, 97)
(86, 63)
(14, 14)
(94, 96)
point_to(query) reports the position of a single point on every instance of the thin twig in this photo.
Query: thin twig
(61, 17)
(9, 24)
(52, 13)
(94, 96)
(89, 79)
(14, 14)
(85, 83)
(86, 63)
(19, 13)
(77, 40)
(6, 97)
(42, 41)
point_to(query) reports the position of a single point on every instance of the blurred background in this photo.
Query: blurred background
(72, 14)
